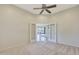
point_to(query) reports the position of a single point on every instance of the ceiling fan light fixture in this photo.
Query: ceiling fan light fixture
(45, 8)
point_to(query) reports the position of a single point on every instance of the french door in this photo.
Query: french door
(43, 32)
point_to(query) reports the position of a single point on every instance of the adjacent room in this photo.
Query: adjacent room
(39, 29)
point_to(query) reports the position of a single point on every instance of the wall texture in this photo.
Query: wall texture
(67, 26)
(14, 29)
(13, 26)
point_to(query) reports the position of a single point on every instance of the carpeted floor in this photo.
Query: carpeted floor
(42, 49)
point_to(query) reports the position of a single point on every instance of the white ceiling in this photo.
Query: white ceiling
(29, 7)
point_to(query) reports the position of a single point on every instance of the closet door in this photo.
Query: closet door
(32, 32)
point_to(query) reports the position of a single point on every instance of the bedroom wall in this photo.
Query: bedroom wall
(13, 26)
(67, 26)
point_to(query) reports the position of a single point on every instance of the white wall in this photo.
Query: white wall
(14, 25)
(67, 26)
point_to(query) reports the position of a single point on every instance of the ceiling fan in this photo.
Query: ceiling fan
(45, 8)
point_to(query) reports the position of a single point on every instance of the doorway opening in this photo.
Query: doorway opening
(43, 32)
(46, 32)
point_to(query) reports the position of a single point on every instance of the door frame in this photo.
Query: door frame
(34, 39)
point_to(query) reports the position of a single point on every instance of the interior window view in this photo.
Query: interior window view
(45, 32)
(39, 29)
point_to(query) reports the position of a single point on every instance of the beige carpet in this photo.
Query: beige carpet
(42, 49)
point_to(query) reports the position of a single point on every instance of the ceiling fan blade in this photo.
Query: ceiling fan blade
(41, 12)
(37, 8)
(52, 6)
(48, 10)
